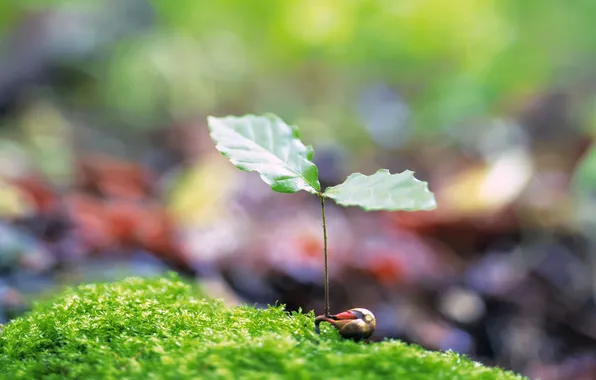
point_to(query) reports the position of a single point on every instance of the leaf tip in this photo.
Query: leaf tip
(211, 121)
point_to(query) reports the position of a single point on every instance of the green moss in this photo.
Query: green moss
(163, 329)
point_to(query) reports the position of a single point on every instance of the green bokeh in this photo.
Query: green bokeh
(311, 59)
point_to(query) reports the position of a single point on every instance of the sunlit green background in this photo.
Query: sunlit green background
(311, 60)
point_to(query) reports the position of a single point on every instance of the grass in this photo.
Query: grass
(163, 328)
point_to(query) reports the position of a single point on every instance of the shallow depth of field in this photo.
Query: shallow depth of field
(107, 169)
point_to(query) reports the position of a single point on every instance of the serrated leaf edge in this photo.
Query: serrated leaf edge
(295, 134)
(426, 189)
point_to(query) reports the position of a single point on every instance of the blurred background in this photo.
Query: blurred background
(107, 169)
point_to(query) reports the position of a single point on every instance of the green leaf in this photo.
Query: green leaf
(267, 145)
(383, 191)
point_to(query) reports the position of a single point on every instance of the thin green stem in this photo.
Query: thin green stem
(325, 251)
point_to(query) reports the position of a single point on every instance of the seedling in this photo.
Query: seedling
(267, 145)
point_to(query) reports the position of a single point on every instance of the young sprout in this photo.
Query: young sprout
(267, 145)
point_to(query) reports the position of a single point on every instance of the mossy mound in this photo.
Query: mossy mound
(163, 329)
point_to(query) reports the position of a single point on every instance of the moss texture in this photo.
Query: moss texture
(164, 329)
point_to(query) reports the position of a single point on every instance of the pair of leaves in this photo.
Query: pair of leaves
(272, 148)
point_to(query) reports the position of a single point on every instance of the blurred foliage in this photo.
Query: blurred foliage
(451, 60)
(312, 60)
(585, 176)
